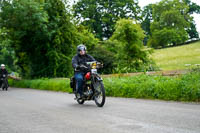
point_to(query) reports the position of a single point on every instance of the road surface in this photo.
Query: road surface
(35, 111)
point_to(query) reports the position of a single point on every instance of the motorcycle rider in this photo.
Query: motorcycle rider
(78, 63)
(3, 74)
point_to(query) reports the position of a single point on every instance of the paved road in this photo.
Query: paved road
(34, 111)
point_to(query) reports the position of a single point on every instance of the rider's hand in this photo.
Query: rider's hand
(77, 67)
(83, 67)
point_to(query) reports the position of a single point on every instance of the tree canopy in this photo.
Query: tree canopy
(147, 15)
(129, 44)
(100, 16)
(42, 36)
(39, 37)
(170, 19)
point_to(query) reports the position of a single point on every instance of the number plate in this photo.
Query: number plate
(94, 70)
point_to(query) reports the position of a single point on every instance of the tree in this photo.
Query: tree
(103, 55)
(170, 19)
(7, 54)
(84, 36)
(193, 8)
(130, 49)
(101, 16)
(146, 22)
(148, 19)
(42, 36)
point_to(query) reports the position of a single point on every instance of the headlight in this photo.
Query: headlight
(94, 65)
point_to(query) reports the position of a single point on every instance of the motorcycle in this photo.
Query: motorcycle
(93, 88)
(4, 84)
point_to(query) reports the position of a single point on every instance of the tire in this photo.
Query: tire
(80, 101)
(6, 86)
(99, 93)
(3, 86)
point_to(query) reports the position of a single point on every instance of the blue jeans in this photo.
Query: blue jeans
(79, 82)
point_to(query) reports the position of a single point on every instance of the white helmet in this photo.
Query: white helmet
(81, 47)
(2, 65)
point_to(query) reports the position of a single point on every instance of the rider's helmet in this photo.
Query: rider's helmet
(81, 47)
(2, 65)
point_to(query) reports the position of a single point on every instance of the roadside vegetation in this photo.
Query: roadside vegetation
(38, 39)
(177, 88)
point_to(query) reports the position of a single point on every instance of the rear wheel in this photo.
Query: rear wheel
(3, 86)
(80, 101)
(99, 96)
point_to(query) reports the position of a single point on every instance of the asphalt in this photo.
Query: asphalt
(36, 111)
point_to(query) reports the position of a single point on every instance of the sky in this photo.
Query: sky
(143, 3)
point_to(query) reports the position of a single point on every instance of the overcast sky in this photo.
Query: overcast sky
(143, 3)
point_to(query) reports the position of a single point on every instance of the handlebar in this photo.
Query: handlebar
(95, 63)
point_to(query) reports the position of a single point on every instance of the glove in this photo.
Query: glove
(77, 67)
(83, 67)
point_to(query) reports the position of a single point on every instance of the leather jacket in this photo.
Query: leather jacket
(78, 60)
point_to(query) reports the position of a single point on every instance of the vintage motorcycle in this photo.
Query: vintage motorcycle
(93, 88)
(4, 84)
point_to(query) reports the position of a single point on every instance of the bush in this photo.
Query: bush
(108, 58)
(183, 88)
(128, 43)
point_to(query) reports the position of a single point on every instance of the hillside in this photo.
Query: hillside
(176, 58)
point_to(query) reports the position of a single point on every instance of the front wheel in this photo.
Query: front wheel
(5, 85)
(99, 96)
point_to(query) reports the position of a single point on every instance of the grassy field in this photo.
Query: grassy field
(176, 58)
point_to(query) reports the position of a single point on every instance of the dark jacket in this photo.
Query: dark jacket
(3, 72)
(78, 60)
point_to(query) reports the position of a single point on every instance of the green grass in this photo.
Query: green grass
(180, 88)
(175, 58)
(43, 84)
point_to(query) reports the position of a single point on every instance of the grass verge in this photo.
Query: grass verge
(178, 88)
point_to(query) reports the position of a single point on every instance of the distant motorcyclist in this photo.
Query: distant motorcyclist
(78, 63)
(3, 76)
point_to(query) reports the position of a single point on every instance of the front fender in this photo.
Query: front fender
(99, 78)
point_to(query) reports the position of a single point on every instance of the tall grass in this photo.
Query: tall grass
(179, 88)
(176, 57)
(43, 84)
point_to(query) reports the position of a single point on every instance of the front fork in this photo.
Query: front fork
(96, 80)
